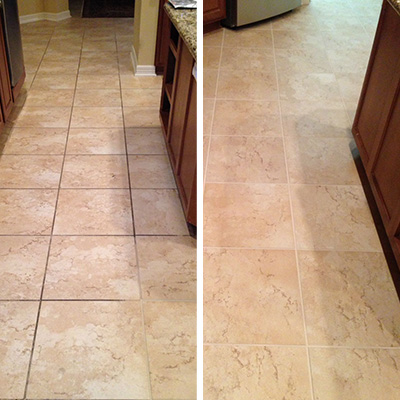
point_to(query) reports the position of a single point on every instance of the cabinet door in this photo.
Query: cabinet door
(162, 39)
(5, 84)
(213, 10)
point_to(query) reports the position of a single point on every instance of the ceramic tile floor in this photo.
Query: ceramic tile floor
(92, 304)
(298, 300)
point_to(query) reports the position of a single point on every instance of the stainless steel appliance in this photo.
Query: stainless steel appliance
(12, 37)
(243, 12)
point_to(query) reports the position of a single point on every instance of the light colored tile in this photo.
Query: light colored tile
(213, 38)
(208, 113)
(268, 311)
(249, 59)
(59, 67)
(247, 215)
(95, 171)
(158, 212)
(350, 374)
(248, 37)
(99, 45)
(30, 171)
(349, 299)
(258, 373)
(145, 141)
(142, 117)
(206, 144)
(209, 82)
(246, 159)
(151, 172)
(167, 267)
(40, 117)
(131, 81)
(98, 81)
(92, 268)
(258, 118)
(94, 67)
(350, 85)
(96, 141)
(97, 98)
(27, 212)
(51, 81)
(211, 57)
(23, 263)
(320, 160)
(18, 320)
(89, 350)
(297, 39)
(141, 97)
(333, 218)
(93, 212)
(171, 343)
(97, 117)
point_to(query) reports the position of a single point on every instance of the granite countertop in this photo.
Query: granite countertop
(395, 4)
(185, 21)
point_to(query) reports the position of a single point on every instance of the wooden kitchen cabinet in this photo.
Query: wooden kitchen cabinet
(162, 39)
(376, 127)
(6, 95)
(213, 11)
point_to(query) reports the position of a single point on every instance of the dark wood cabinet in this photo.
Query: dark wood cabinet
(162, 39)
(377, 123)
(213, 11)
(5, 84)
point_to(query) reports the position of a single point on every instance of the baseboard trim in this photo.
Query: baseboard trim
(45, 16)
(141, 70)
(134, 58)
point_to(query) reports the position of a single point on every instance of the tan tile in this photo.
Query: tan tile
(30, 172)
(40, 117)
(248, 37)
(171, 343)
(145, 141)
(18, 320)
(151, 172)
(131, 81)
(271, 297)
(211, 57)
(241, 58)
(89, 350)
(246, 159)
(141, 97)
(51, 82)
(47, 98)
(247, 215)
(95, 171)
(158, 212)
(333, 218)
(23, 263)
(208, 114)
(167, 267)
(258, 118)
(320, 160)
(96, 117)
(96, 141)
(98, 267)
(33, 141)
(253, 85)
(206, 145)
(97, 98)
(94, 67)
(125, 64)
(59, 67)
(98, 82)
(209, 82)
(297, 39)
(28, 80)
(317, 119)
(99, 45)
(142, 117)
(27, 212)
(93, 212)
(59, 45)
(66, 57)
(349, 299)
(213, 38)
(349, 374)
(345, 61)
(350, 85)
(258, 373)
(298, 19)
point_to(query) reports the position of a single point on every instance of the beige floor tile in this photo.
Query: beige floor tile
(30, 172)
(349, 374)
(33, 141)
(316, 119)
(51, 82)
(206, 144)
(18, 320)
(23, 263)
(145, 141)
(171, 343)
(320, 160)
(297, 39)
(95, 171)
(66, 57)
(250, 85)
(96, 117)
(258, 118)
(59, 67)
(333, 218)
(158, 212)
(167, 267)
(59, 45)
(268, 311)
(141, 97)
(27, 212)
(212, 57)
(349, 299)
(40, 117)
(98, 82)
(249, 59)
(92, 268)
(208, 113)
(94, 67)
(99, 45)
(89, 350)
(350, 86)
(98, 98)
(93, 212)
(257, 373)
(100, 58)
(125, 64)
(209, 82)
(246, 159)
(248, 37)
(150, 172)
(247, 215)
(213, 38)
(96, 141)
(348, 60)
(141, 117)
(131, 81)
(298, 19)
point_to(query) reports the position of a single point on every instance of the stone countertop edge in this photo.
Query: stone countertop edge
(185, 21)
(395, 4)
